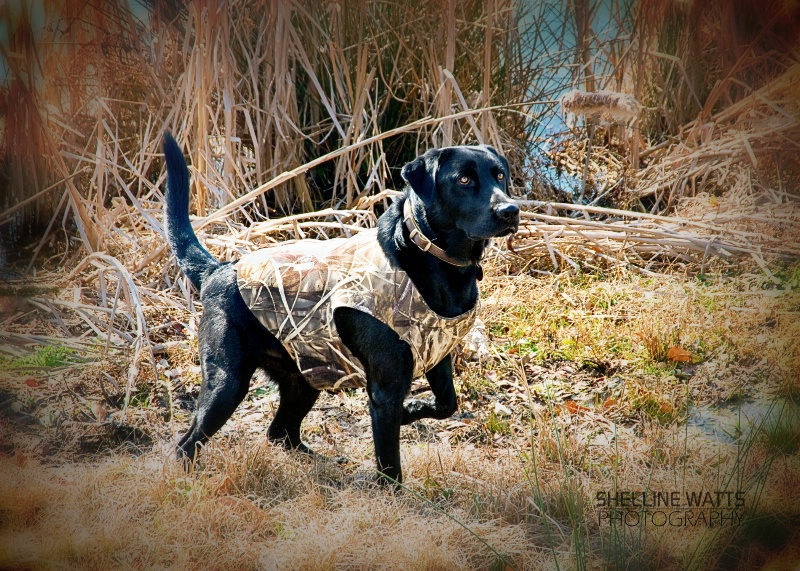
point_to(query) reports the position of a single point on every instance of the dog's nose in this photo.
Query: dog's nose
(507, 212)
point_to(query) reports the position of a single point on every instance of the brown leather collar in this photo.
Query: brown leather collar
(424, 244)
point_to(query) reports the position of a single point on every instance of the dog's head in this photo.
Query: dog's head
(464, 188)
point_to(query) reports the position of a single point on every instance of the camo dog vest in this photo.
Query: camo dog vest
(293, 289)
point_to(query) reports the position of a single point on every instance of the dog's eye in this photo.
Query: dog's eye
(500, 176)
(464, 179)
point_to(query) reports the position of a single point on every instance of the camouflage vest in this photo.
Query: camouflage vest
(293, 289)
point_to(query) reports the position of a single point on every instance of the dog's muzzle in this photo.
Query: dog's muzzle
(508, 215)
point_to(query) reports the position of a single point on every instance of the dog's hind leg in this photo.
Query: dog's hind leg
(444, 402)
(222, 391)
(231, 343)
(227, 366)
(297, 398)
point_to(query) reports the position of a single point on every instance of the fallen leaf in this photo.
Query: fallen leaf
(510, 243)
(31, 382)
(680, 355)
(10, 304)
(574, 407)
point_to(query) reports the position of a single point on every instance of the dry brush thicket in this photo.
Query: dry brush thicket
(288, 107)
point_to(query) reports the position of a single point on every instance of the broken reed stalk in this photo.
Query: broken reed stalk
(674, 220)
(105, 263)
(653, 239)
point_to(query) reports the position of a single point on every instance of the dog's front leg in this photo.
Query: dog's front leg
(389, 366)
(443, 403)
(386, 409)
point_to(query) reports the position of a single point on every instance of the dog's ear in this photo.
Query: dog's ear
(420, 174)
(503, 160)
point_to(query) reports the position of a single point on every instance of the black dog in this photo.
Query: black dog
(456, 196)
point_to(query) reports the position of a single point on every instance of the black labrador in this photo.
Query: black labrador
(457, 197)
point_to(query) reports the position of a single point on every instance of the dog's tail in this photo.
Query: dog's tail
(193, 259)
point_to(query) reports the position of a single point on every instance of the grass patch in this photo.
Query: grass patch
(495, 424)
(47, 356)
(657, 338)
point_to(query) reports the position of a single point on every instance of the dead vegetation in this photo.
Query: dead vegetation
(640, 330)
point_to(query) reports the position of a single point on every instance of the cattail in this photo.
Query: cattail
(607, 106)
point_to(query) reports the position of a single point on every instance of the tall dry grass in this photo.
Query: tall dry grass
(252, 90)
